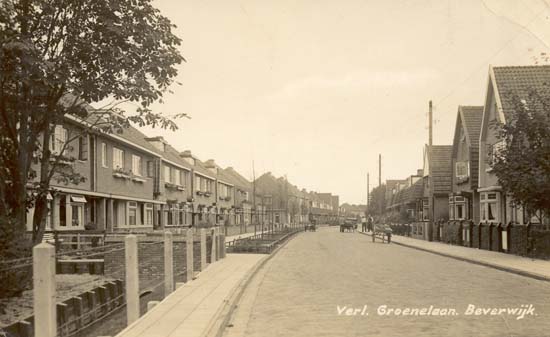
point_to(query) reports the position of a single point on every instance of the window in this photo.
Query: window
(104, 155)
(184, 176)
(177, 176)
(181, 217)
(76, 220)
(58, 139)
(246, 196)
(462, 169)
(150, 169)
(451, 211)
(489, 208)
(459, 211)
(63, 211)
(118, 158)
(132, 213)
(148, 214)
(198, 183)
(494, 152)
(136, 165)
(425, 210)
(167, 175)
(173, 217)
(83, 147)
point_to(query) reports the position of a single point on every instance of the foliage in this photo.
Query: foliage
(377, 204)
(57, 57)
(523, 164)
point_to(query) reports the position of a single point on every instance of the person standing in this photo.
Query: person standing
(370, 220)
(364, 224)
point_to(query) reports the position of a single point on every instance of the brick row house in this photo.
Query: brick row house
(134, 183)
(119, 179)
(461, 200)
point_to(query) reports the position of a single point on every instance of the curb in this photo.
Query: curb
(225, 314)
(473, 261)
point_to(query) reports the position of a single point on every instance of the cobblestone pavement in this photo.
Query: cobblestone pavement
(299, 290)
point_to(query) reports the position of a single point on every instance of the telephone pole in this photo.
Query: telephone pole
(430, 134)
(255, 211)
(368, 191)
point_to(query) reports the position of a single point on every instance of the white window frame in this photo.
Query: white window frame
(148, 214)
(118, 158)
(177, 177)
(136, 165)
(465, 165)
(484, 206)
(132, 205)
(59, 137)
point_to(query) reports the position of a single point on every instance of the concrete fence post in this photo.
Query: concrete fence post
(189, 255)
(203, 249)
(222, 242)
(168, 264)
(132, 278)
(45, 309)
(213, 254)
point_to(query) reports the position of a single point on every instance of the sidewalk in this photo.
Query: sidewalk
(242, 236)
(192, 309)
(538, 269)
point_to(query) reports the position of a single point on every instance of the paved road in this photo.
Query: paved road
(298, 292)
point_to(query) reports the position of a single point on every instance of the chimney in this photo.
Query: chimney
(188, 157)
(211, 165)
(158, 142)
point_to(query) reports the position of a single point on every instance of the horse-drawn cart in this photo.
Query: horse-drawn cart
(310, 227)
(349, 225)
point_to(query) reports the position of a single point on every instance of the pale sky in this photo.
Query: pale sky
(316, 89)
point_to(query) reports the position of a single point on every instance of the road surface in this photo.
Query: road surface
(320, 283)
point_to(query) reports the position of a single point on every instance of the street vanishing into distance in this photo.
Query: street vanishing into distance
(308, 287)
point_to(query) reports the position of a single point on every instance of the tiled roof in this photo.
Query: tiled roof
(441, 168)
(173, 155)
(472, 117)
(519, 81)
(413, 192)
(239, 179)
(135, 136)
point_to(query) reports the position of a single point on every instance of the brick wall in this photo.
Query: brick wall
(151, 259)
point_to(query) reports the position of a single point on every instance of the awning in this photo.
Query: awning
(78, 198)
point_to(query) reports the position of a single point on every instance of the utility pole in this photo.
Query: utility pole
(368, 196)
(430, 127)
(255, 211)
(430, 144)
(379, 184)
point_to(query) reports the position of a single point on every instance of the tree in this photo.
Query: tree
(377, 204)
(57, 57)
(522, 164)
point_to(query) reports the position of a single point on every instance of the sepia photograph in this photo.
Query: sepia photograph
(266, 168)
